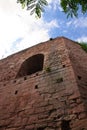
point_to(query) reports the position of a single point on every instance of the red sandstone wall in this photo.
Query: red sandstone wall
(43, 100)
(78, 59)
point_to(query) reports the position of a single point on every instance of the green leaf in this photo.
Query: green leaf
(70, 7)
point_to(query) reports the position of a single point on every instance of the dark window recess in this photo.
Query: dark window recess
(79, 77)
(25, 78)
(16, 92)
(51, 39)
(65, 125)
(31, 65)
(64, 66)
(36, 86)
(36, 74)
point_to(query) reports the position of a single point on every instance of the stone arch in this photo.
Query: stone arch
(31, 65)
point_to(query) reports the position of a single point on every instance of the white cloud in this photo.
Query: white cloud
(54, 5)
(78, 22)
(17, 23)
(69, 23)
(82, 39)
(52, 24)
(81, 22)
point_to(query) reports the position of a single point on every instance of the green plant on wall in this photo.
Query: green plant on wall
(47, 69)
(84, 46)
(59, 80)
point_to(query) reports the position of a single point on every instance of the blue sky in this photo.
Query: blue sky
(73, 28)
(19, 30)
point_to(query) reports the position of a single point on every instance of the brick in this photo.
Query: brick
(82, 115)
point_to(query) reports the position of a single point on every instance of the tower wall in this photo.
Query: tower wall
(78, 58)
(39, 90)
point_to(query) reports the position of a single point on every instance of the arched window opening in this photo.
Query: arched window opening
(31, 65)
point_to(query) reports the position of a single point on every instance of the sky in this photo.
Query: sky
(20, 30)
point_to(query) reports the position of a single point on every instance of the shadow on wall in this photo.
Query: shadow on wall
(65, 125)
(31, 65)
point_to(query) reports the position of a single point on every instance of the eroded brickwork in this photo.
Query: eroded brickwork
(44, 88)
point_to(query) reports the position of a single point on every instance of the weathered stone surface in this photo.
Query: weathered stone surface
(44, 88)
